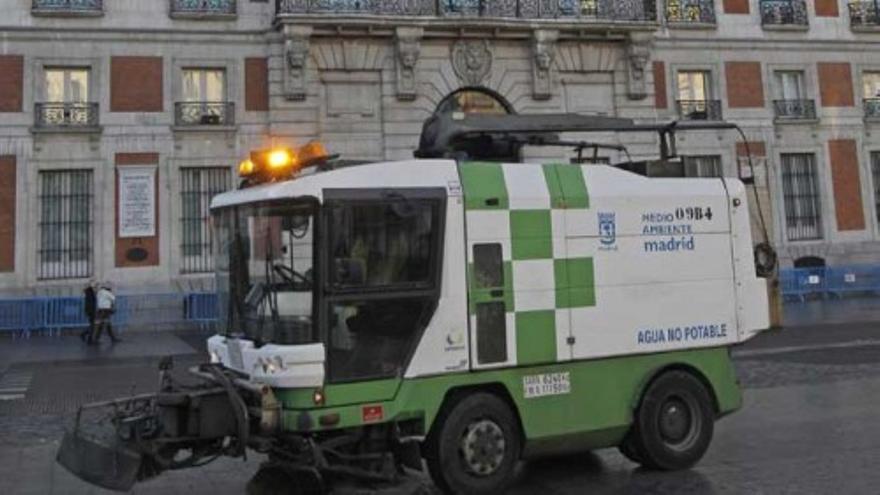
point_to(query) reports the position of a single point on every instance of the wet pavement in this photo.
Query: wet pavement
(809, 424)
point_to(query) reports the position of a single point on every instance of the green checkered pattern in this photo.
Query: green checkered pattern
(524, 208)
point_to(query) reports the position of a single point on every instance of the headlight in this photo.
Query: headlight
(271, 365)
(215, 357)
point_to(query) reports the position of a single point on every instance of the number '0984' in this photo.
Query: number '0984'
(694, 213)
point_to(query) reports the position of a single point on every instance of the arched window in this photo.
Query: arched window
(475, 100)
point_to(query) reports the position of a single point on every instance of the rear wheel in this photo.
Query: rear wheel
(673, 425)
(474, 446)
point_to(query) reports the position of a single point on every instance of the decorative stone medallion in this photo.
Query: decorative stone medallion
(471, 61)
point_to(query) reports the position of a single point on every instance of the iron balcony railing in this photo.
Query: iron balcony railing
(204, 7)
(65, 115)
(872, 110)
(699, 109)
(608, 10)
(864, 13)
(795, 109)
(68, 6)
(219, 113)
(690, 11)
(784, 13)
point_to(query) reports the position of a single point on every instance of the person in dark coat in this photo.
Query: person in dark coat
(90, 308)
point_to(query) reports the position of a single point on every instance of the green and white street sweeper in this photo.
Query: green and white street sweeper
(460, 311)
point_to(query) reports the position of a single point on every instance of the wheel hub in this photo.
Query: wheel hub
(483, 447)
(678, 423)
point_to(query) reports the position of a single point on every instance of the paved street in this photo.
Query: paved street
(809, 424)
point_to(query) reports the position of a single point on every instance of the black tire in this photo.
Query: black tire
(474, 446)
(629, 449)
(674, 423)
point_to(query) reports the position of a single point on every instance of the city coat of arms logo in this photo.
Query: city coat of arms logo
(607, 231)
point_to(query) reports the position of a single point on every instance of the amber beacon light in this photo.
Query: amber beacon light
(281, 163)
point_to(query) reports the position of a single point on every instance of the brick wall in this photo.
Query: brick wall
(256, 85)
(827, 8)
(847, 186)
(136, 84)
(7, 213)
(836, 84)
(745, 87)
(736, 6)
(660, 98)
(130, 250)
(11, 82)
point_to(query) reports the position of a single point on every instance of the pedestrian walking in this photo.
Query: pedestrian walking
(106, 305)
(90, 309)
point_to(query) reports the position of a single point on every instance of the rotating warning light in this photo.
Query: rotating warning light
(280, 158)
(246, 168)
(281, 163)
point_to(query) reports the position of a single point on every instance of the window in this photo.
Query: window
(790, 85)
(695, 96)
(875, 174)
(703, 166)
(382, 244)
(385, 249)
(488, 266)
(871, 84)
(203, 95)
(491, 333)
(204, 85)
(67, 85)
(197, 187)
(65, 224)
(800, 189)
(473, 101)
(694, 85)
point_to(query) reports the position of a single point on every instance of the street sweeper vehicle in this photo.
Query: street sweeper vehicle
(457, 312)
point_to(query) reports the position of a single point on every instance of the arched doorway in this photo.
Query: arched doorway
(809, 262)
(475, 100)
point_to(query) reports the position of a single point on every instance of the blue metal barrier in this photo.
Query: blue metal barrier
(802, 282)
(851, 279)
(62, 313)
(21, 316)
(201, 307)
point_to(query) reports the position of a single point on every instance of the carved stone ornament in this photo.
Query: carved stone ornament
(296, 61)
(544, 53)
(409, 47)
(638, 52)
(471, 61)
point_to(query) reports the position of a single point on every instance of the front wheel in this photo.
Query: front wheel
(474, 446)
(674, 423)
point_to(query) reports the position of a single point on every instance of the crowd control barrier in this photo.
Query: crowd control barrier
(20, 317)
(837, 281)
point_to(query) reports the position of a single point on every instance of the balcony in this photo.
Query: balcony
(66, 117)
(699, 109)
(864, 15)
(872, 109)
(204, 9)
(68, 8)
(784, 14)
(795, 110)
(685, 13)
(204, 115)
(637, 11)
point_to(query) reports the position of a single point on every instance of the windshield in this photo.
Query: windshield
(264, 265)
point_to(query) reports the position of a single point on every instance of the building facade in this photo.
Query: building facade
(119, 120)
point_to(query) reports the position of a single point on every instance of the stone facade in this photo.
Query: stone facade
(364, 84)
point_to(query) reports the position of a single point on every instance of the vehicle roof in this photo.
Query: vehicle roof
(408, 173)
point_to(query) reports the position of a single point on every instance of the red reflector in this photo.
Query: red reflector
(372, 414)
